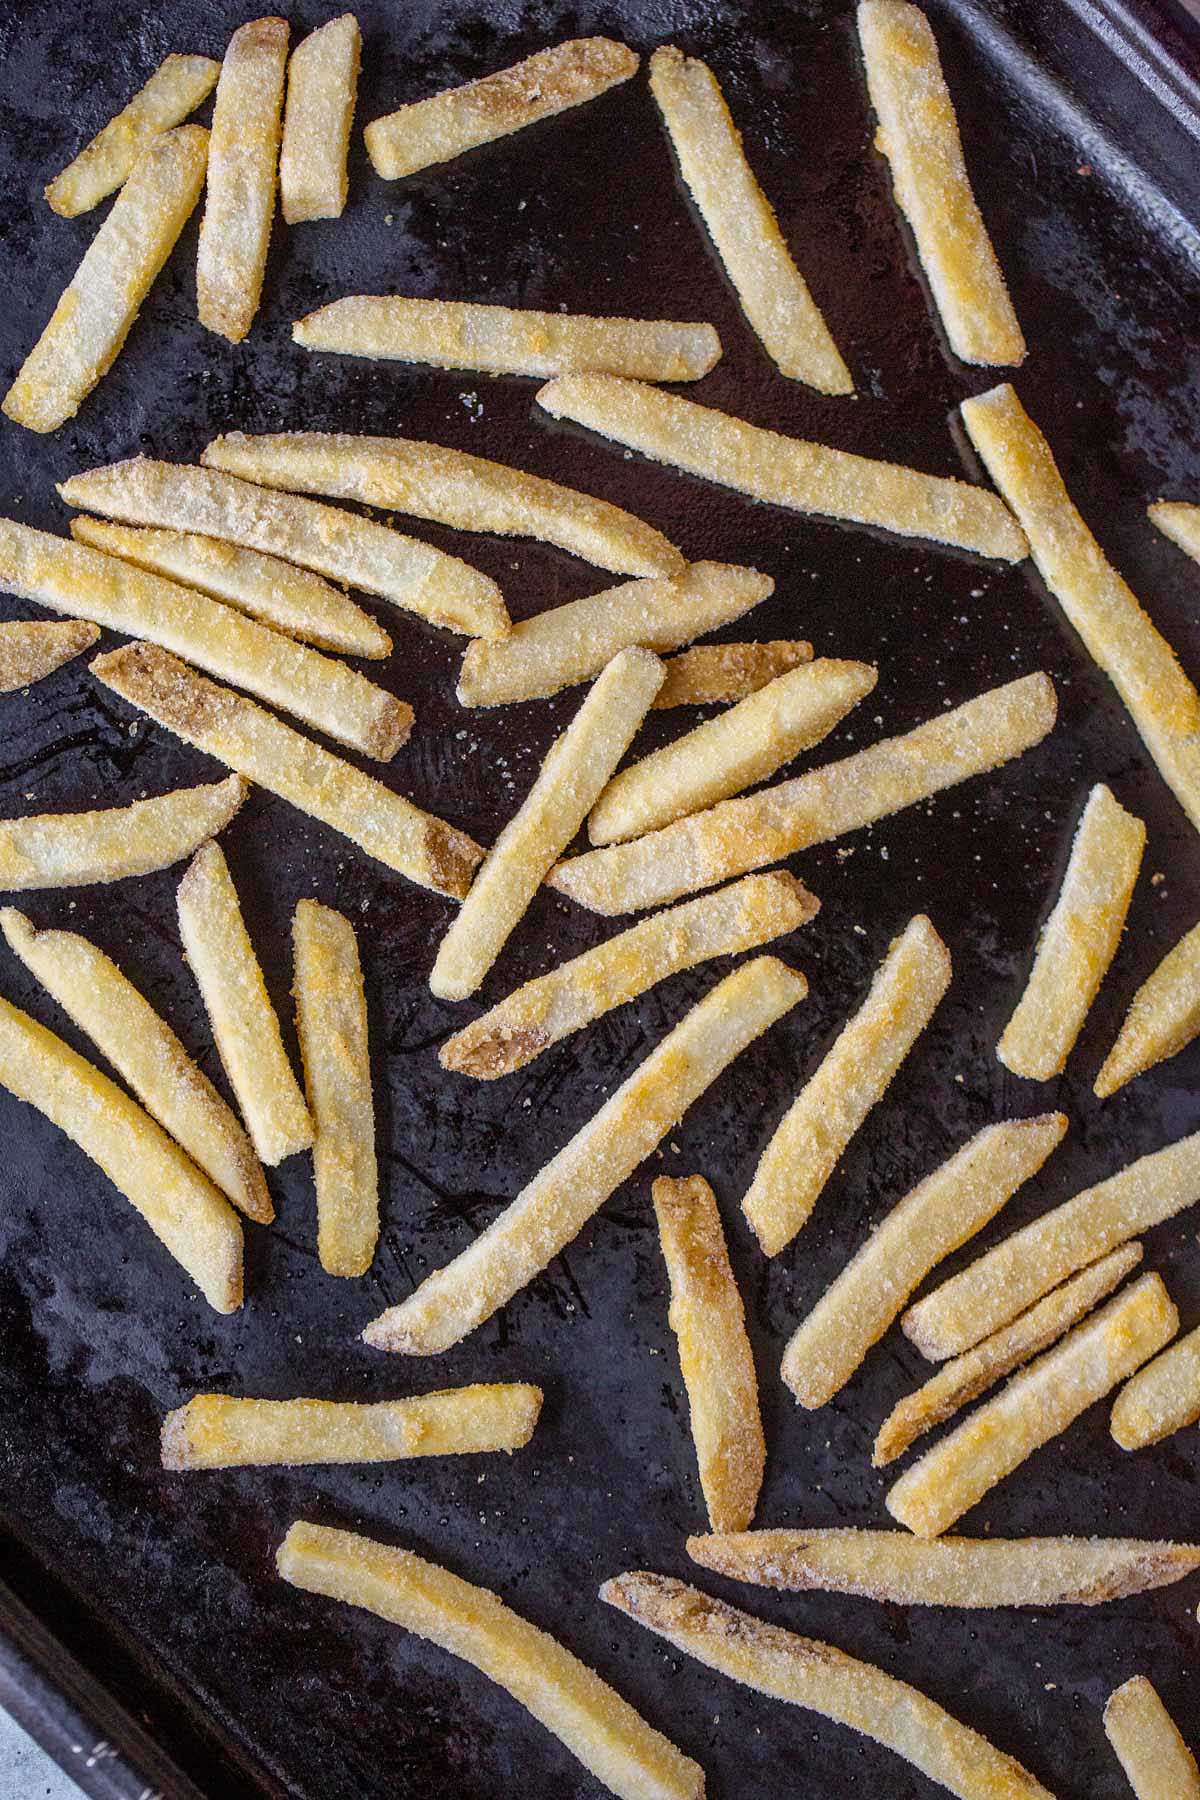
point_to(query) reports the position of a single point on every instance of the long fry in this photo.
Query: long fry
(32, 649)
(1162, 1398)
(176, 88)
(721, 674)
(46, 850)
(322, 82)
(1180, 522)
(1157, 1763)
(1163, 1018)
(239, 204)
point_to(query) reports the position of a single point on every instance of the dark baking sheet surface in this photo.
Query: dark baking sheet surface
(164, 1585)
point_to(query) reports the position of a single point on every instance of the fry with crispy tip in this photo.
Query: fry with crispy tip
(50, 850)
(722, 674)
(239, 204)
(322, 82)
(1163, 1017)
(32, 649)
(1149, 1747)
(1161, 1398)
(1180, 522)
(176, 88)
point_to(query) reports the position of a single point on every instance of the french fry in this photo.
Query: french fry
(99, 305)
(599, 1728)
(180, 1205)
(49, 850)
(216, 1431)
(147, 1055)
(411, 575)
(1157, 1763)
(577, 768)
(825, 1681)
(1180, 522)
(555, 1206)
(239, 204)
(752, 831)
(709, 1321)
(244, 1022)
(177, 87)
(732, 752)
(244, 737)
(1078, 941)
(939, 1215)
(331, 1023)
(571, 995)
(568, 644)
(1162, 1398)
(32, 649)
(322, 82)
(854, 1074)
(1120, 637)
(785, 471)
(918, 134)
(461, 118)
(1038, 1403)
(721, 674)
(744, 230)
(1163, 1019)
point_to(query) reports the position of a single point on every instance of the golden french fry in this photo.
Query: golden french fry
(577, 768)
(939, 1215)
(785, 471)
(752, 831)
(33, 649)
(611, 1740)
(180, 1205)
(722, 674)
(97, 309)
(1157, 1763)
(555, 1206)
(239, 204)
(1163, 1017)
(1180, 522)
(176, 88)
(1162, 1398)
(48, 850)
(322, 82)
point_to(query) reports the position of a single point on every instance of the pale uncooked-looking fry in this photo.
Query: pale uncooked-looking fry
(751, 831)
(786, 471)
(739, 219)
(1180, 522)
(1038, 1403)
(244, 1022)
(1163, 1017)
(611, 1740)
(217, 1431)
(734, 751)
(239, 204)
(918, 134)
(147, 1055)
(305, 774)
(1078, 940)
(721, 674)
(555, 1206)
(939, 1215)
(1157, 1763)
(322, 82)
(826, 1681)
(1162, 1398)
(577, 768)
(709, 1321)
(571, 995)
(432, 481)
(33, 649)
(965, 1377)
(336, 543)
(331, 1024)
(175, 89)
(997, 1286)
(479, 112)
(854, 1074)
(99, 305)
(181, 1206)
(48, 850)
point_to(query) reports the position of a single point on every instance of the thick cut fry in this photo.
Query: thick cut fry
(939, 1215)
(96, 311)
(331, 1023)
(180, 1205)
(48, 850)
(1180, 522)
(268, 752)
(853, 1076)
(1149, 1747)
(918, 133)
(721, 674)
(322, 82)
(750, 832)
(176, 88)
(785, 471)
(1163, 1018)
(1078, 941)
(825, 1681)
(31, 650)
(239, 204)
(1162, 1398)
(555, 1206)
(577, 768)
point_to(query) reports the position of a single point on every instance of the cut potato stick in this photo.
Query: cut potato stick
(147, 1055)
(244, 737)
(97, 309)
(1078, 941)
(731, 752)
(1180, 522)
(752, 831)
(49, 850)
(570, 996)
(239, 204)
(709, 1321)
(854, 1074)
(555, 1206)
(825, 1681)
(577, 768)
(462, 118)
(331, 1023)
(611, 1740)
(32, 649)
(938, 1216)
(1163, 1018)
(176, 88)
(1034, 1407)
(722, 674)
(1162, 1398)
(180, 1205)
(322, 82)
(1157, 1763)
(336, 543)
(918, 134)
(785, 471)
(244, 1022)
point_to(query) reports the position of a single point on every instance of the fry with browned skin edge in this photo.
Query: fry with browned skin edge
(322, 82)
(46, 850)
(176, 88)
(32, 649)
(1163, 1017)
(1157, 1763)
(722, 674)
(1161, 1398)
(1180, 522)
(239, 204)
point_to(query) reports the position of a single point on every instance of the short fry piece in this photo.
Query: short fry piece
(322, 82)
(239, 205)
(1148, 1743)
(1163, 1019)
(1180, 522)
(1162, 1398)
(48, 850)
(176, 88)
(32, 649)
(721, 674)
